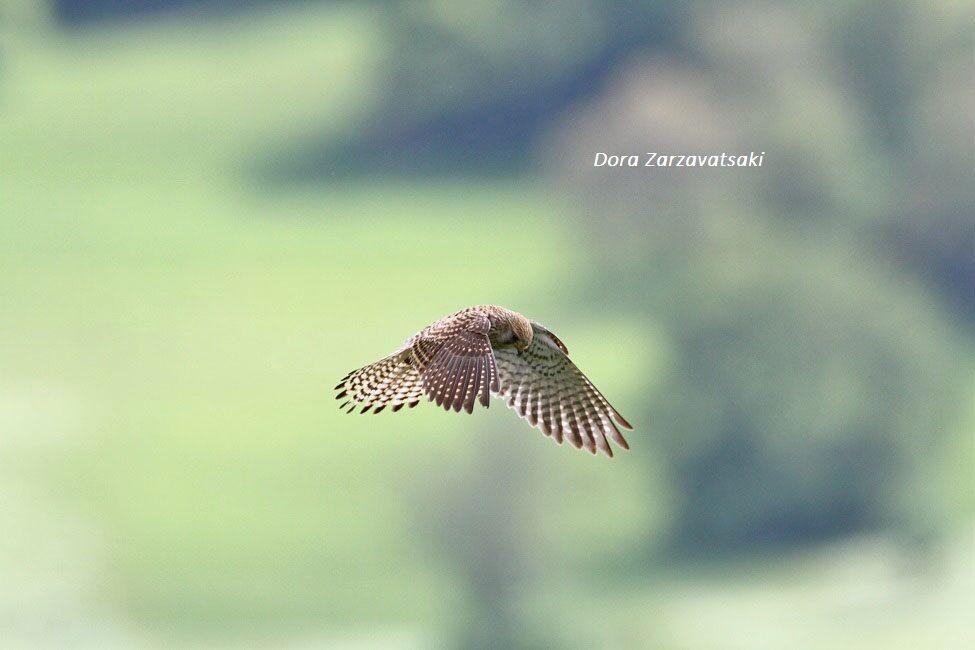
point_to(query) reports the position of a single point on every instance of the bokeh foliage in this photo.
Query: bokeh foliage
(814, 369)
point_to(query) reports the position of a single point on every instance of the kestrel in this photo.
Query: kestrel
(489, 349)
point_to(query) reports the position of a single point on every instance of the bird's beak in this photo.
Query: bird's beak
(521, 345)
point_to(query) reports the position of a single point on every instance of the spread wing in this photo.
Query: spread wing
(462, 368)
(543, 385)
(450, 361)
(393, 380)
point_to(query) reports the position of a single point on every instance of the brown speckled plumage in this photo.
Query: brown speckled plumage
(487, 349)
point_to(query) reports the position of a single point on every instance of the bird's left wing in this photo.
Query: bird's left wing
(463, 367)
(390, 381)
(545, 388)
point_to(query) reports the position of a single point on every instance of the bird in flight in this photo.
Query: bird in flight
(466, 356)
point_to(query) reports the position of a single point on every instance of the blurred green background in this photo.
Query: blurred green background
(210, 211)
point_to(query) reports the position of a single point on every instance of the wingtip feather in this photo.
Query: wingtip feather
(622, 421)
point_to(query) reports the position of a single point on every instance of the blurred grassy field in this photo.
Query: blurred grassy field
(171, 331)
(174, 332)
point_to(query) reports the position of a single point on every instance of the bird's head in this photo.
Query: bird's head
(522, 329)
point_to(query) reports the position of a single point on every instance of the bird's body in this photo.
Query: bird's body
(466, 356)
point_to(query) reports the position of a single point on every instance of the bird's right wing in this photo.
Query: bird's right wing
(543, 385)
